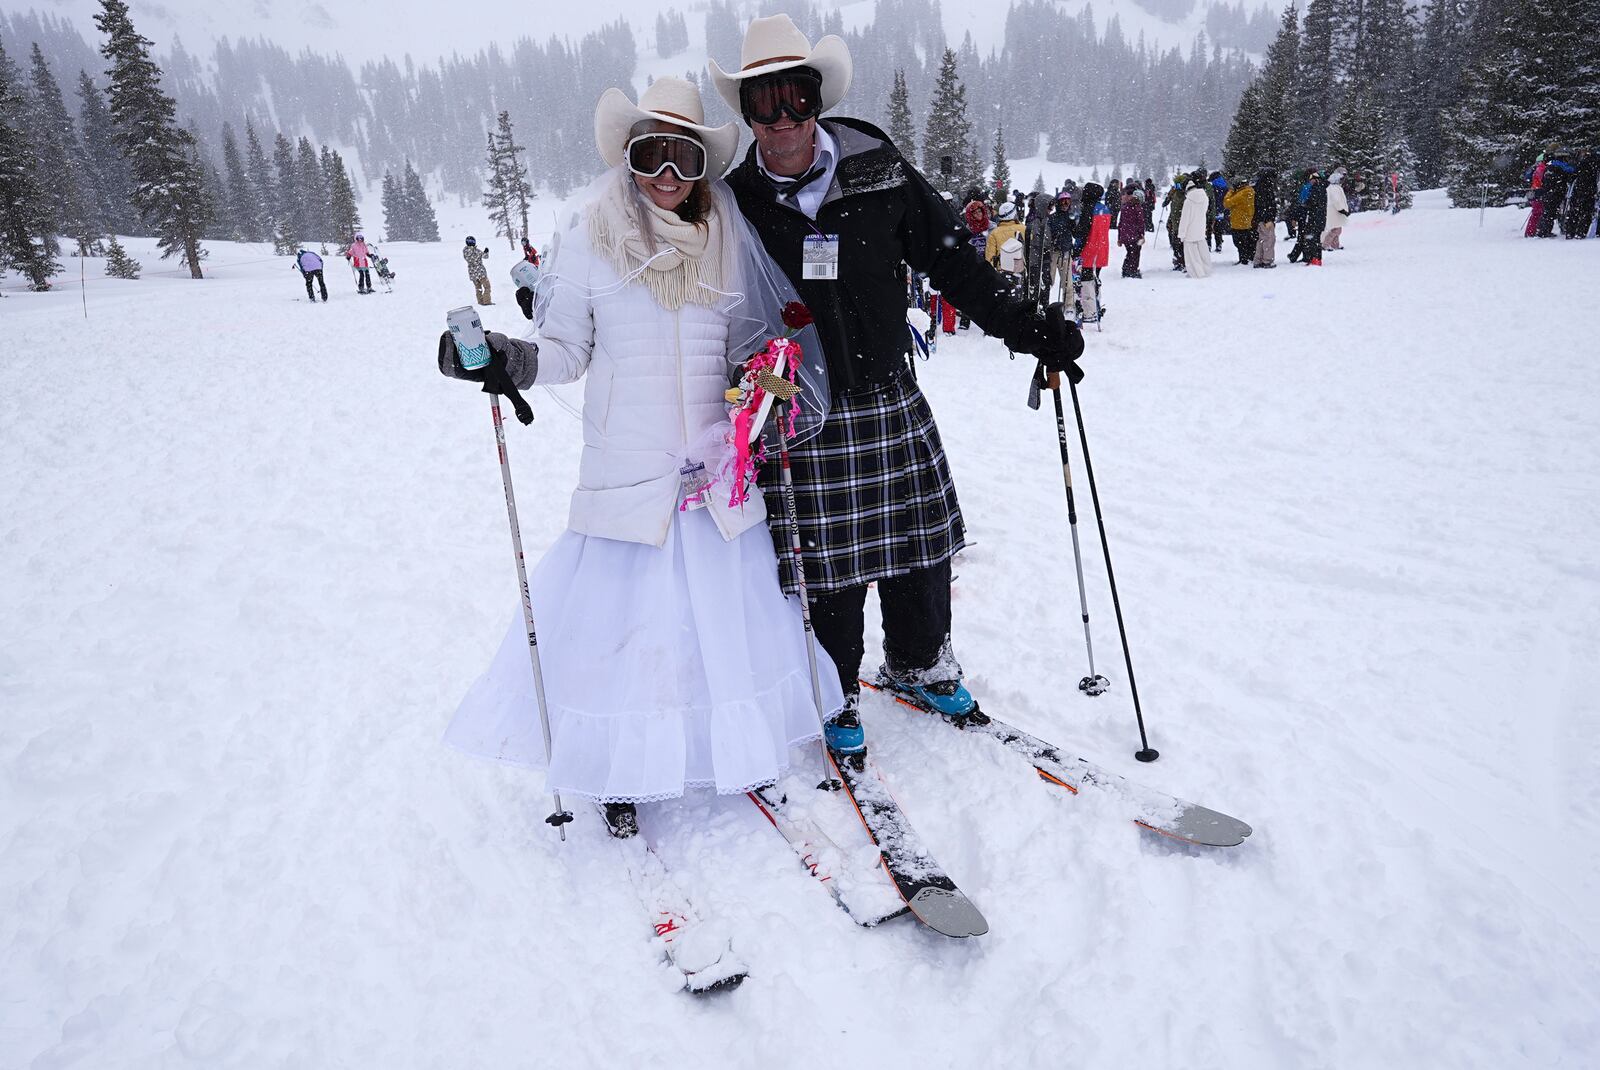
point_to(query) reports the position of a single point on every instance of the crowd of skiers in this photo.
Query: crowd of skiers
(1562, 191)
(1058, 244)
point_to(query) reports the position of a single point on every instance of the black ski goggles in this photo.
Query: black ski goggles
(650, 154)
(796, 93)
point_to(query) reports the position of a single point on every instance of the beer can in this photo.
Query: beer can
(467, 331)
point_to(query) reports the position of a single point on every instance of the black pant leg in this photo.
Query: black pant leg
(916, 618)
(838, 619)
(321, 284)
(309, 292)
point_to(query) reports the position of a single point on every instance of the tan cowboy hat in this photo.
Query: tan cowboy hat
(668, 100)
(776, 44)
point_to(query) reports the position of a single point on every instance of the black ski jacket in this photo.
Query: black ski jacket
(1316, 217)
(885, 214)
(1266, 198)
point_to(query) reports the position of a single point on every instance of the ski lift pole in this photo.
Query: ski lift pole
(561, 816)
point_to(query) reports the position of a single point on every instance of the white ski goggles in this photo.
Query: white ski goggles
(648, 155)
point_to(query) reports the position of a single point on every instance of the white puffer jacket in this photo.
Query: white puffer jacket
(655, 386)
(1338, 205)
(1192, 223)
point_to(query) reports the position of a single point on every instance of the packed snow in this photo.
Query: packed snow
(254, 551)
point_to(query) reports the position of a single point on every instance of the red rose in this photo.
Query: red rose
(796, 316)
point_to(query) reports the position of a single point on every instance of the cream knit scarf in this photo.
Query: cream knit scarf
(687, 265)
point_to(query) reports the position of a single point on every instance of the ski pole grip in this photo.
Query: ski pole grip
(1053, 380)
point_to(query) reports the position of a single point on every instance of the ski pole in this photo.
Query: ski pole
(779, 387)
(1146, 753)
(561, 816)
(1094, 683)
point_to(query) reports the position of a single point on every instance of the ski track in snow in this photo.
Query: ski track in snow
(253, 552)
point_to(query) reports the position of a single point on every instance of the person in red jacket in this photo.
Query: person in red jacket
(360, 258)
(1093, 246)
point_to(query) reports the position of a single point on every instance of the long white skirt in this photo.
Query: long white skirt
(664, 669)
(1197, 259)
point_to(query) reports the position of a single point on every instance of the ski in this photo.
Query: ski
(1154, 810)
(696, 947)
(823, 859)
(929, 893)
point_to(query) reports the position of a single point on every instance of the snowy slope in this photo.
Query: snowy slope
(253, 552)
(363, 30)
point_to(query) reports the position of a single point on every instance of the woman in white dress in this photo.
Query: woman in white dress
(671, 658)
(1192, 228)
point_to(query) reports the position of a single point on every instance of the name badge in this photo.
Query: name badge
(820, 257)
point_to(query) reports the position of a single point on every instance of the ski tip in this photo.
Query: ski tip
(704, 986)
(948, 912)
(1203, 828)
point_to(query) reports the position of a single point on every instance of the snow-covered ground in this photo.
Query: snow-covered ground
(252, 552)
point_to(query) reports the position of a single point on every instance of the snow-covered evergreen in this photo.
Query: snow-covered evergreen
(25, 210)
(169, 185)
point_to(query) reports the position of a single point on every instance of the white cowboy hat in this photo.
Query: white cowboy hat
(668, 100)
(776, 44)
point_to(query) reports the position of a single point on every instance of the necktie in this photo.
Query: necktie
(789, 188)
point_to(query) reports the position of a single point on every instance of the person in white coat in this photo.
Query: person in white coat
(1338, 211)
(1192, 229)
(671, 657)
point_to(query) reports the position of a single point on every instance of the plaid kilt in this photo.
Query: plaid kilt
(872, 491)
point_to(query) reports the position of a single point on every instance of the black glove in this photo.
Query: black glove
(1053, 338)
(450, 361)
(494, 376)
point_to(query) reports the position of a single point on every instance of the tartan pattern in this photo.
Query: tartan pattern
(873, 492)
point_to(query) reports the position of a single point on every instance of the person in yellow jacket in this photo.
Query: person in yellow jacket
(1241, 205)
(1006, 227)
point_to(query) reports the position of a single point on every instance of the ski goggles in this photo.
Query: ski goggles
(649, 155)
(796, 93)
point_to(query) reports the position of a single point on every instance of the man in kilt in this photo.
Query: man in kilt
(842, 212)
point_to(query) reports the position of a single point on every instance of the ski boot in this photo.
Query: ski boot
(948, 698)
(622, 820)
(844, 735)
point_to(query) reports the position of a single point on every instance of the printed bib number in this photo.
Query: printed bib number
(820, 257)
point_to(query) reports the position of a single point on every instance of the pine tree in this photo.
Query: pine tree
(24, 208)
(311, 190)
(1317, 85)
(424, 224)
(901, 130)
(395, 226)
(1441, 60)
(119, 265)
(497, 198)
(330, 227)
(59, 160)
(105, 171)
(287, 235)
(1245, 149)
(518, 191)
(260, 214)
(236, 194)
(1002, 169)
(342, 201)
(1280, 81)
(169, 190)
(947, 137)
(1038, 183)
